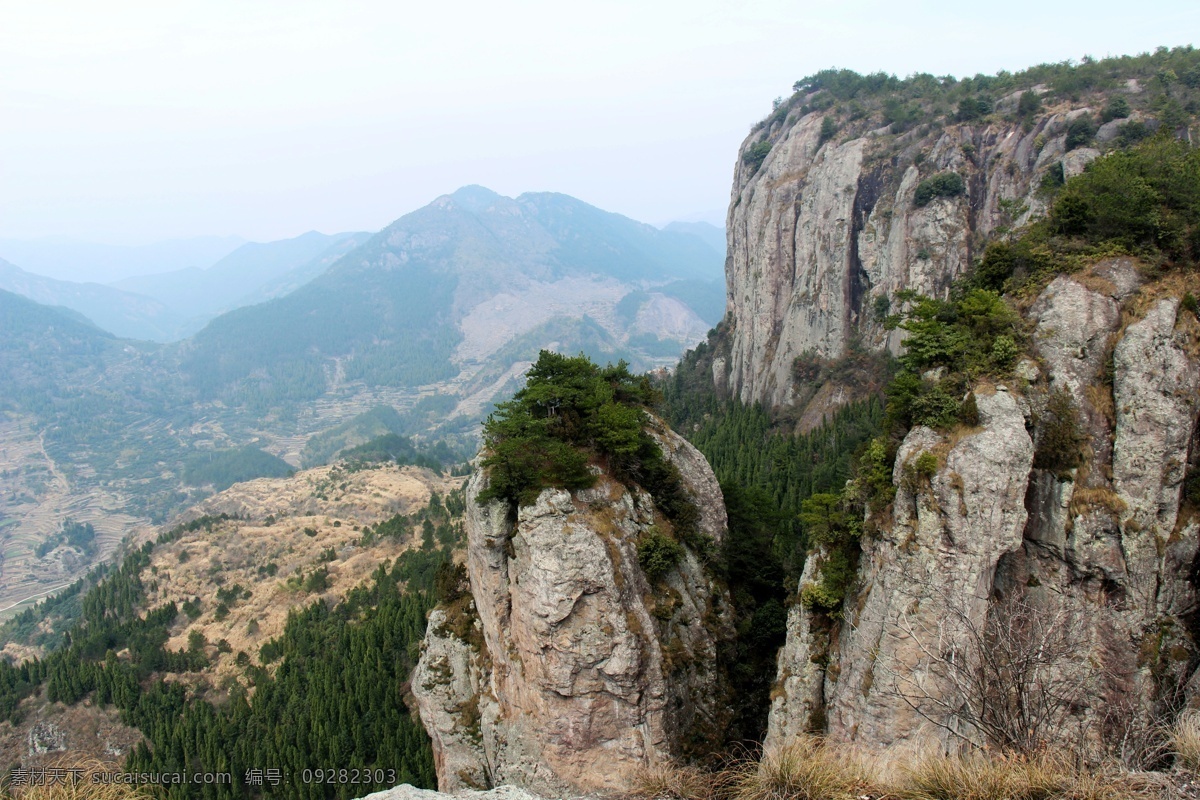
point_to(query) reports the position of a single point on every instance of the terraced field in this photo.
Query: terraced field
(35, 499)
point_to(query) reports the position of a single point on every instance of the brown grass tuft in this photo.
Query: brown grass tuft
(1084, 500)
(804, 769)
(982, 777)
(670, 781)
(1185, 742)
(81, 787)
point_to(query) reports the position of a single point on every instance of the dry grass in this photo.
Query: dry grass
(810, 769)
(1084, 500)
(668, 781)
(804, 769)
(980, 777)
(1185, 742)
(77, 785)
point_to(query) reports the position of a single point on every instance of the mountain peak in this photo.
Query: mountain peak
(473, 198)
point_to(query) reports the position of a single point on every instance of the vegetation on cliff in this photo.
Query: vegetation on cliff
(868, 101)
(766, 476)
(1143, 201)
(569, 413)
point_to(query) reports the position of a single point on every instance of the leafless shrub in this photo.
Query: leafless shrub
(1012, 681)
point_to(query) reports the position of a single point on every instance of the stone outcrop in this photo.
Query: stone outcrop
(823, 232)
(406, 792)
(568, 668)
(1104, 545)
(934, 564)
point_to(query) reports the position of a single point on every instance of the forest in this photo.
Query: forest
(336, 675)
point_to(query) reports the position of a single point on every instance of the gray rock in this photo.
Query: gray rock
(1075, 161)
(1104, 547)
(1073, 325)
(585, 670)
(815, 234)
(916, 576)
(406, 792)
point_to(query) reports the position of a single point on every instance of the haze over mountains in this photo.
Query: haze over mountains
(166, 306)
(250, 274)
(424, 325)
(69, 259)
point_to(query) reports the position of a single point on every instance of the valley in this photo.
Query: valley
(902, 502)
(252, 557)
(436, 318)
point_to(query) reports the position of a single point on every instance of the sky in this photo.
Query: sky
(131, 122)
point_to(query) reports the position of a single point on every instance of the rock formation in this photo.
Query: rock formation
(567, 667)
(1096, 554)
(825, 230)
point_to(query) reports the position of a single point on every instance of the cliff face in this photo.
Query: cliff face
(567, 667)
(997, 547)
(824, 231)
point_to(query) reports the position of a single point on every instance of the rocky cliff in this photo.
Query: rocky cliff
(1056, 535)
(567, 666)
(826, 228)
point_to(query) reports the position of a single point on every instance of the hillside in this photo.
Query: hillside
(431, 322)
(246, 579)
(435, 295)
(121, 313)
(250, 274)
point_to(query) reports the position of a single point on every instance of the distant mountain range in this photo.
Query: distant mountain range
(446, 291)
(427, 323)
(168, 306)
(411, 332)
(127, 314)
(250, 274)
(68, 259)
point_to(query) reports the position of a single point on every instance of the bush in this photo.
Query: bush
(1080, 132)
(450, 582)
(1145, 198)
(1029, 104)
(571, 411)
(1117, 108)
(829, 129)
(317, 581)
(926, 465)
(756, 154)
(1131, 133)
(968, 412)
(973, 108)
(658, 554)
(944, 184)
(1059, 438)
(808, 367)
(833, 525)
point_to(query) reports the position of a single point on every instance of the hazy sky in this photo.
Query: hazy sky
(128, 122)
